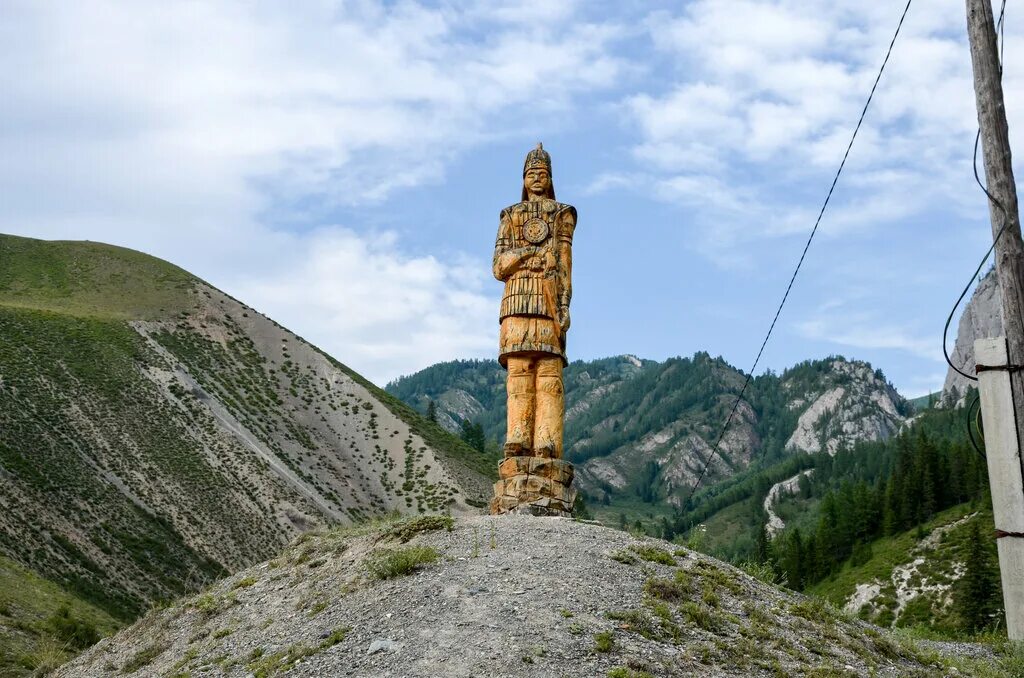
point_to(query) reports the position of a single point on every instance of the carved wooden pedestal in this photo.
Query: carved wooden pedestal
(534, 485)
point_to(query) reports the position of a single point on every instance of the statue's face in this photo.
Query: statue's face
(537, 181)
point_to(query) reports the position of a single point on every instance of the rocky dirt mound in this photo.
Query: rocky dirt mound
(499, 596)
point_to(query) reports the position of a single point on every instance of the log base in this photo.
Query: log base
(534, 485)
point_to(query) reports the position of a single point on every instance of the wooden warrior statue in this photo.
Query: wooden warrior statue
(533, 257)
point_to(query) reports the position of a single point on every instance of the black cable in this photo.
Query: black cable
(1001, 26)
(799, 263)
(970, 431)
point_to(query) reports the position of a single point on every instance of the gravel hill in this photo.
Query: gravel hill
(505, 596)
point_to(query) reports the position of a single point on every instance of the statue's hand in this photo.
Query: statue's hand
(524, 256)
(535, 264)
(563, 319)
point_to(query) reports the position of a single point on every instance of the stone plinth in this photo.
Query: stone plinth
(535, 485)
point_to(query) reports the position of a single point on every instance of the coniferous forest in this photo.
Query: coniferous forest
(864, 494)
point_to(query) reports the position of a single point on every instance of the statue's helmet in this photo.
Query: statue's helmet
(539, 158)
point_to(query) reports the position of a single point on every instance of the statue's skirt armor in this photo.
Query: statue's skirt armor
(524, 295)
(521, 335)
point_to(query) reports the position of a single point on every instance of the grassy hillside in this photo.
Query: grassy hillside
(42, 625)
(86, 278)
(139, 407)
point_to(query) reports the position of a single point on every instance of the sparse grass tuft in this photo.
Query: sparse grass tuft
(208, 604)
(145, 656)
(604, 641)
(702, 617)
(814, 610)
(389, 563)
(407, 529)
(623, 672)
(624, 557)
(654, 554)
(763, 572)
(337, 635)
(636, 621)
(670, 590)
(47, 655)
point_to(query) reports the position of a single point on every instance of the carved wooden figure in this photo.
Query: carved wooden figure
(533, 257)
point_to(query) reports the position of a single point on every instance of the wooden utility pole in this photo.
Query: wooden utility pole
(1002, 458)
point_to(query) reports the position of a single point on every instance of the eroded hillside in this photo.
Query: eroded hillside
(156, 433)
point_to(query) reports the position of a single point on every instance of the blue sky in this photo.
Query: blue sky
(341, 165)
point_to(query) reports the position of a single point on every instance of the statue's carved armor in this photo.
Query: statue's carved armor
(540, 230)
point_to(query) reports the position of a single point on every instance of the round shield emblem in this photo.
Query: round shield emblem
(536, 230)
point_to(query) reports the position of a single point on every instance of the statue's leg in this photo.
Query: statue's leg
(521, 406)
(547, 436)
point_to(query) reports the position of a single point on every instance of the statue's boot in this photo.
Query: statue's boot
(547, 433)
(521, 407)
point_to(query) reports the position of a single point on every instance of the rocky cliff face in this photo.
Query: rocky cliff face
(647, 428)
(982, 318)
(849, 404)
(506, 596)
(155, 433)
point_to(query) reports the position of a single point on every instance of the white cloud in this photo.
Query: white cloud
(375, 307)
(865, 331)
(765, 95)
(177, 128)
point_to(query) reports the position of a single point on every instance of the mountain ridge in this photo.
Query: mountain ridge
(647, 428)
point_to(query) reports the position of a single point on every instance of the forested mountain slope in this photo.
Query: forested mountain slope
(895, 530)
(641, 430)
(156, 433)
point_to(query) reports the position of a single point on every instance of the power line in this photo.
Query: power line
(799, 263)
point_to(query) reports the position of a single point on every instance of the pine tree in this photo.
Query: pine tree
(977, 597)
(761, 552)
(792, 563)
(432, 411)
(474, 435)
